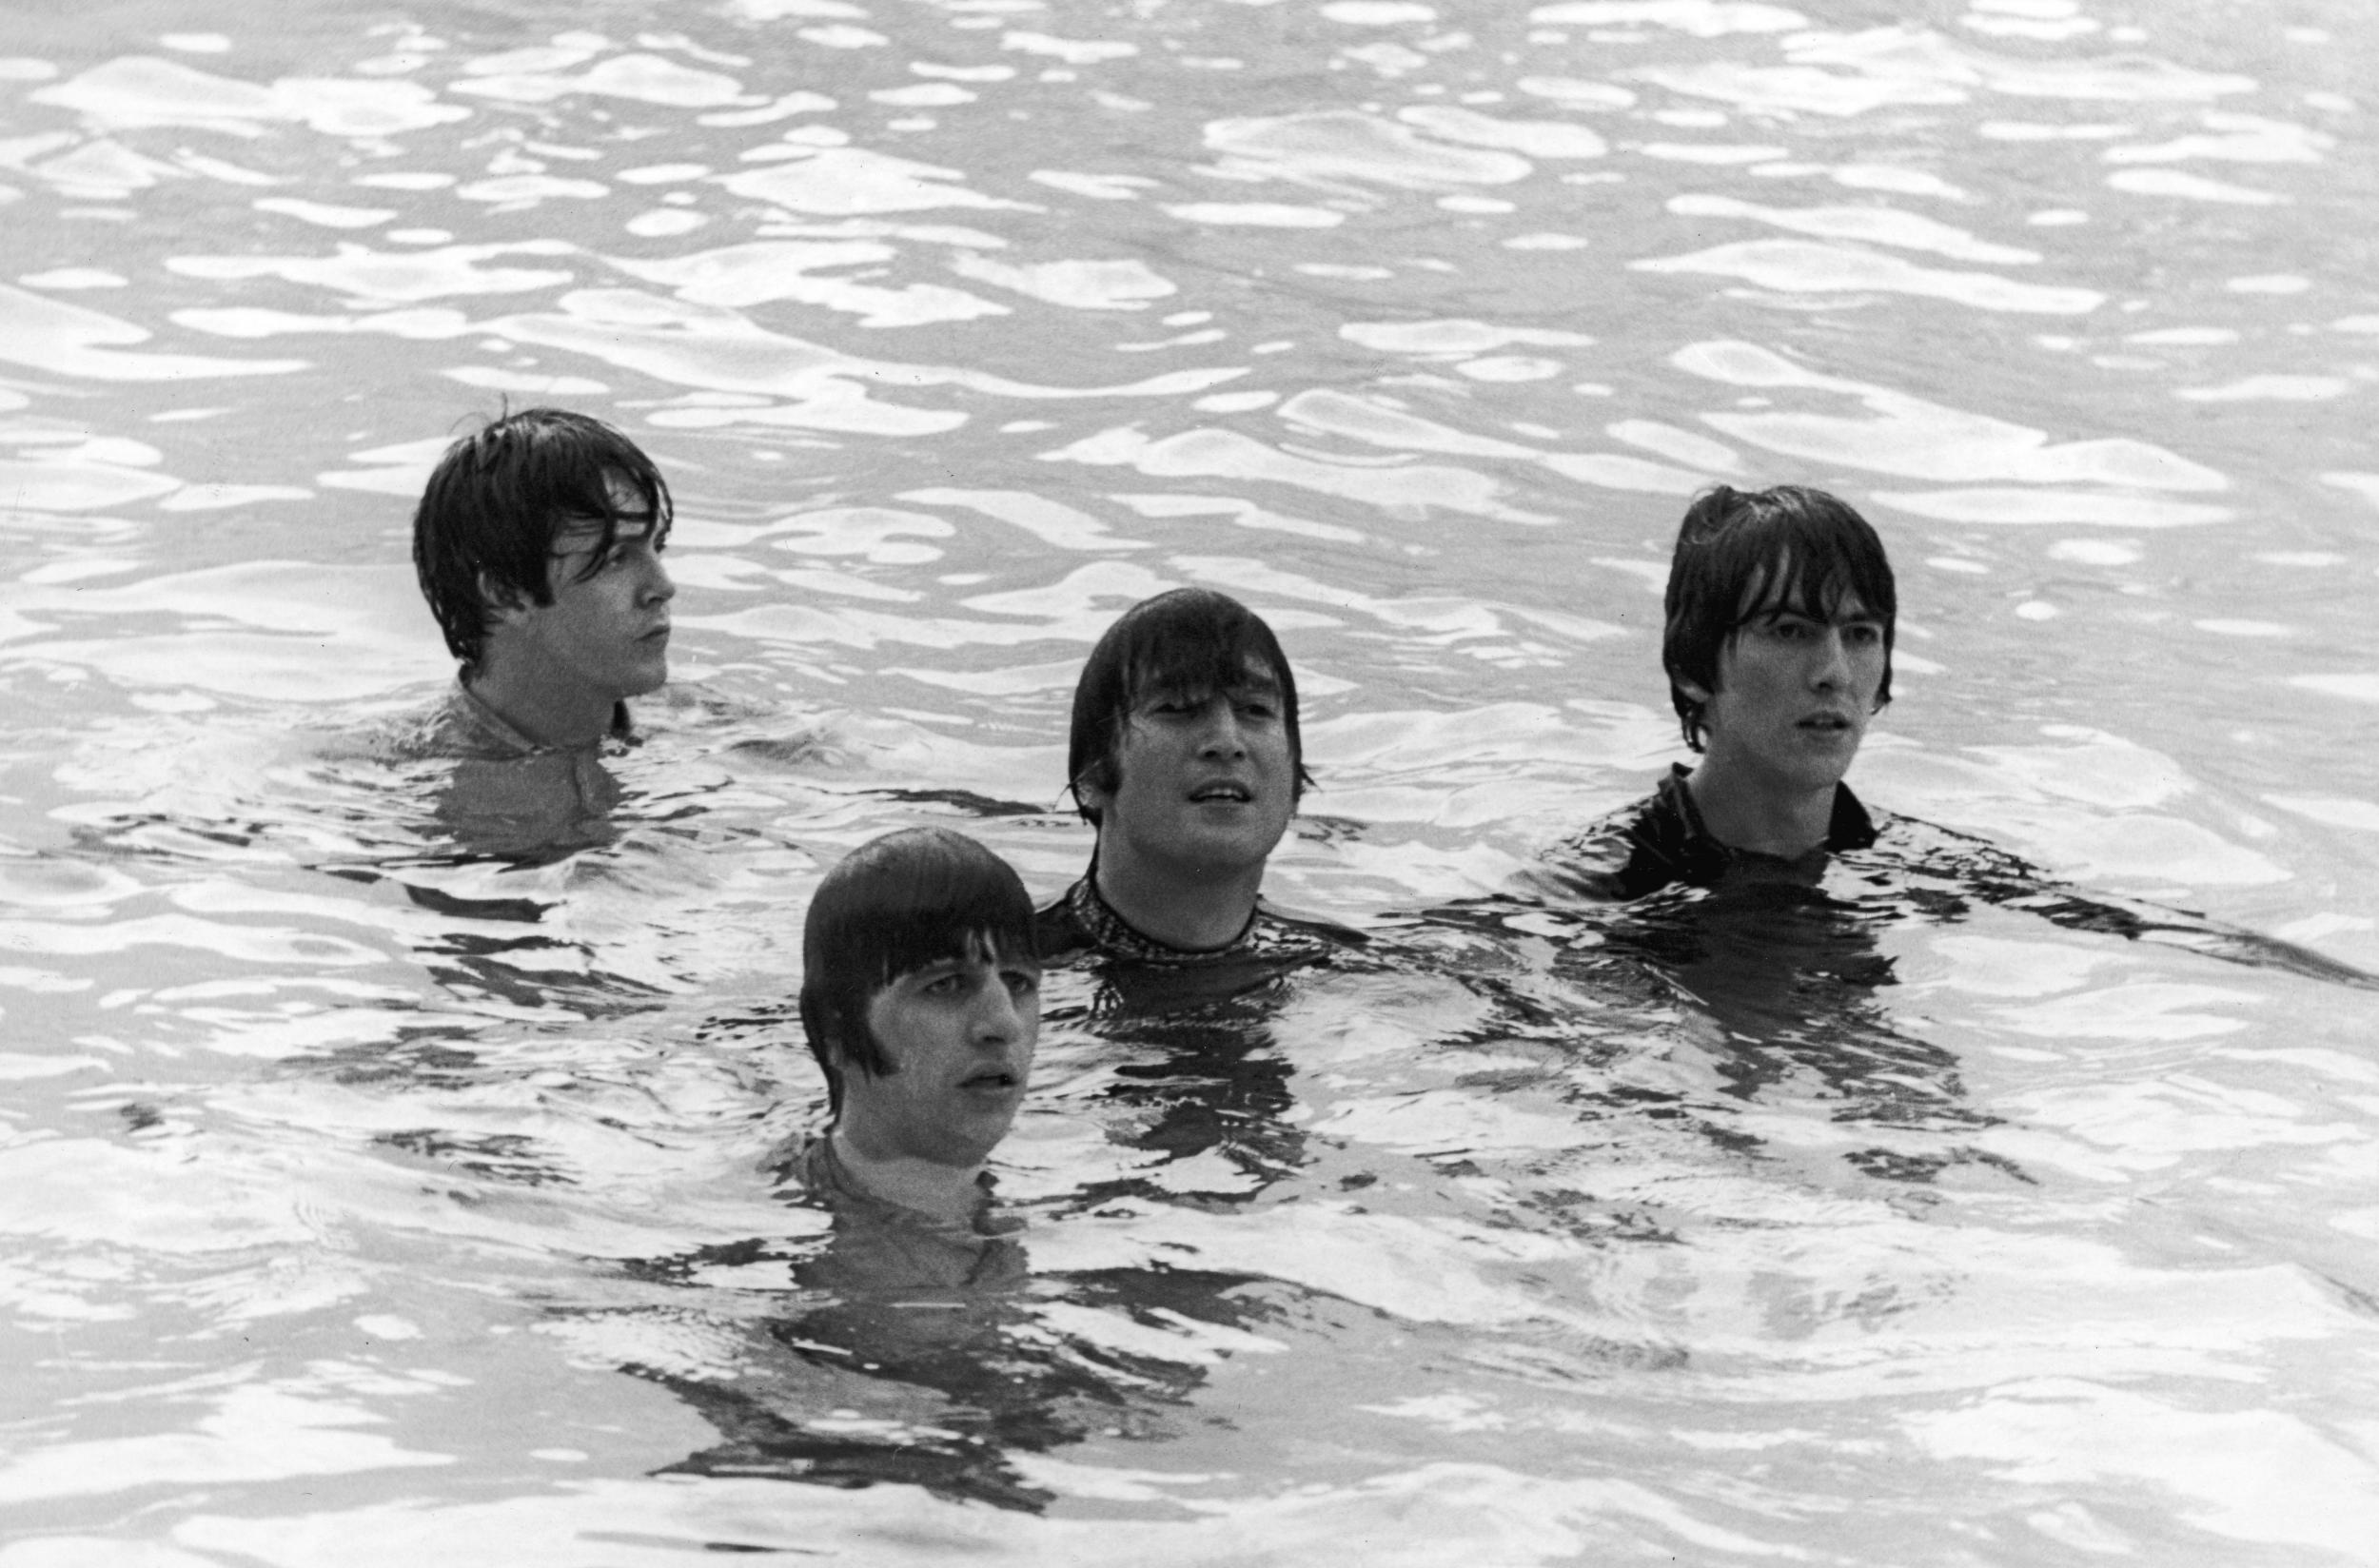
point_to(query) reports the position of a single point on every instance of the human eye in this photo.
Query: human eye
(1021, 981)
(944, 981)
(1866, 634)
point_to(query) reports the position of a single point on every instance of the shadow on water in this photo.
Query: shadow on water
(929, 1354)
(1778, 969)
(1191, 1067)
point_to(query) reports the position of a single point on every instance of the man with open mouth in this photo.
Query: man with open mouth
(1184, 756)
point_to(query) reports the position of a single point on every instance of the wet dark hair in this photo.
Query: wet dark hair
(891, 907)
(498, 499)
(1742, 555)
(1190, 643)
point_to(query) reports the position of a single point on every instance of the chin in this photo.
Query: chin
(1250, 844)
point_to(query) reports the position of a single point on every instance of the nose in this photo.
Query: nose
(1222, 737)
(999, 1021)
(654, 586)
(1832, 667)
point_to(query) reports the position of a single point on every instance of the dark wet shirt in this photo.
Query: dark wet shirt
(1663, 840)
(1903, 868)
(1082, 925)
(1201, 1071)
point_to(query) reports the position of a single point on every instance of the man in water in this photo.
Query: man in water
(1780, 616)
(920, 998)
(537, 543)
(1780, 611)
(1184, 756)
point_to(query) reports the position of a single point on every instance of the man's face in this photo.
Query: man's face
(958, 1035)
(1796, 687)
(1205, 784)
(608, 629)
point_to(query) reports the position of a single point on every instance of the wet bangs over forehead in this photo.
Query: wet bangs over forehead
(1745, 556)
(499, 501)
(893, 906)
(1793, 584)
(1189, 643)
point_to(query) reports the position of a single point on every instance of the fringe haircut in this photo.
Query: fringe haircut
(1188, 644)
(488, 519)
(1742, 556)
(894, 904)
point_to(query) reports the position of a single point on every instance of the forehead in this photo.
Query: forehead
(1160, 680)
(966, 948)
(635, 519)
(1786, 586)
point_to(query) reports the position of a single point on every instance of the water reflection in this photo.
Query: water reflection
(380, 1110)
(927, 1353)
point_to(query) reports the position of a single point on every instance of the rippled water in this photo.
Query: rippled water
(384, 1150)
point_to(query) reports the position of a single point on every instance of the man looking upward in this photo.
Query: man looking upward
(1184, 756)
(537, 543)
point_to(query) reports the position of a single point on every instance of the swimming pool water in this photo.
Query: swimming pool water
(384, 1150)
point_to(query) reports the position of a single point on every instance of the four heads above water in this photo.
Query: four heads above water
(1781, 611)
(537, 543)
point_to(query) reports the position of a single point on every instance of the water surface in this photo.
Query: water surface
(385, 1153)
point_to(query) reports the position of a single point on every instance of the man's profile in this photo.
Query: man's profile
(1184, 756)
(920, 998)
(537, 545)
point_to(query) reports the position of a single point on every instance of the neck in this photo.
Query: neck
(1743, 812)
(549, 708)
(944, 1192)
(1194, 911)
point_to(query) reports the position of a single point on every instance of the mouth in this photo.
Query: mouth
(1826, 723)
(1223, 792)
(659, 633)
(992, 1081)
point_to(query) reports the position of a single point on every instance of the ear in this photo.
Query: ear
(1094, 787)
(504, 603)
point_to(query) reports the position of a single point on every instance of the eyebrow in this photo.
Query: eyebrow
(1809, 611)
(577, 531)
(1251, 683)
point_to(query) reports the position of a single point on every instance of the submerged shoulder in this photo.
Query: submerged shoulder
(1287, 924)
(1079, 925)
(1635, 849)
(1060, 932)
(454, 726)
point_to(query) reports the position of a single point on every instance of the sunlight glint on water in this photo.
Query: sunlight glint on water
(384, 1158)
